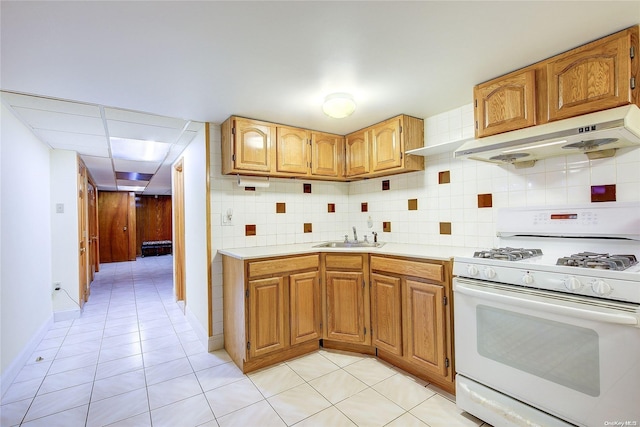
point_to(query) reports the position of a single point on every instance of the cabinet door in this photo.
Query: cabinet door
(326, 154)
(357, 154)
(386, 145)
(386, 303)
(292, 150)
(252, 145)
(592, 78)
(505, 104)
(267, 316)
(304, 306)
(345, 307)
(425, 326)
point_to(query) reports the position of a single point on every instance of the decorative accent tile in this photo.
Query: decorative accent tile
(444, 177)
(281, 208)
(485, 200)
(249, 188)
(250, 230)
(364, 207)
(386, 226)
(386, 185)
(306, 188)
(308, 228)
(603, 193)
(331, 207)
(413, 204)
(445, 228)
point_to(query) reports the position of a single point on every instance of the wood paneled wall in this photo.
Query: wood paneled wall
(153, 219)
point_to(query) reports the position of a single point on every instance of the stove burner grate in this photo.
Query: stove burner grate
(508, 254)
(598, 261)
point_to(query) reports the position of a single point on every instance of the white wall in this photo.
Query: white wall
(64, 233)
(197, 263)
(25, 246)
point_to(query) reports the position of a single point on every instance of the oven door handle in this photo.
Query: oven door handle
(523, 302)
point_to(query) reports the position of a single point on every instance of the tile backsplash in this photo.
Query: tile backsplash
(448, 191)
(465, 193)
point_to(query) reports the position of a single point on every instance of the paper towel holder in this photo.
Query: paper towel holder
(253, 181)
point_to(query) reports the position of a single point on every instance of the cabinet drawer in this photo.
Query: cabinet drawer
(282, 265)
(423, 270)
(343, 262)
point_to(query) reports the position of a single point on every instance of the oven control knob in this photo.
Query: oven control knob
(527, 279)
(600, 287)
(489, 273)
(572, 283)
(472, 270)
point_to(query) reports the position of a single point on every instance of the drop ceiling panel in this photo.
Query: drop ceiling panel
(132, 183)
(174, 153)
(134, 166)
(85, 144)
(142, 118)
(161, 182)
(101, 170)
(195, 126)
(186, 137)
(47, 104)
(50, 120)
(142, 131)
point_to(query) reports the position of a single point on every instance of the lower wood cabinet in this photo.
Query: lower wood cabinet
(271, 309)
(398, 308)
(412, 318)
(346, 291)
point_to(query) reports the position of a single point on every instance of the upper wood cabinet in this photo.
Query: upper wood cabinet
(304, 153)
(292, 150)
(386, 145)
(327, 155)
(253, 147)
(505, 104)
(593, 77)
(356, 148)
(247, 146)
(379, 149)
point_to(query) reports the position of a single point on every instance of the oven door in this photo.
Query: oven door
(573, 357)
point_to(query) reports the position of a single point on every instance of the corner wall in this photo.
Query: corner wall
(25, 244)
(195, 230)
(64, 234)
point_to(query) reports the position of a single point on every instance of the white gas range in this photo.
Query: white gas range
(547, 327)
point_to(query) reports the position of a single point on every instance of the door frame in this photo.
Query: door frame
(178, 232)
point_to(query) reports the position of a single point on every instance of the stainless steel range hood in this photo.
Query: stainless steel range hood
(597, 135)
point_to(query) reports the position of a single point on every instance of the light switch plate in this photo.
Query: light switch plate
(59, 207)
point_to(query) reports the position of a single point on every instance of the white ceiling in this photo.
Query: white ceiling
(205, 60)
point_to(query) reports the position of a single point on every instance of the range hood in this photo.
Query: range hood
(597, 135)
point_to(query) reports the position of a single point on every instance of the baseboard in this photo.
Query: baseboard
(201, 333)
(12, 371)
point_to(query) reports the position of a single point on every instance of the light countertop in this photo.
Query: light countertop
(433, 252)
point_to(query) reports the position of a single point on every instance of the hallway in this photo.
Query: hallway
(132, 359)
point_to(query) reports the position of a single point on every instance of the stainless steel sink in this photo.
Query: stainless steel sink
(349, 245)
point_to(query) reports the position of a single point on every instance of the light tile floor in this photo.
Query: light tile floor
(132, 359)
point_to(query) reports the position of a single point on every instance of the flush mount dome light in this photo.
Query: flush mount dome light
(339, 105)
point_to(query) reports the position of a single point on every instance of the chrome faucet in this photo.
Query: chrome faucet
(355, 235)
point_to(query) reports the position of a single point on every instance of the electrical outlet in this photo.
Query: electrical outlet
(227, 217)
(57, 286)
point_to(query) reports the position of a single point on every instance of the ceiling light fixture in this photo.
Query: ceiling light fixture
(339, 105)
